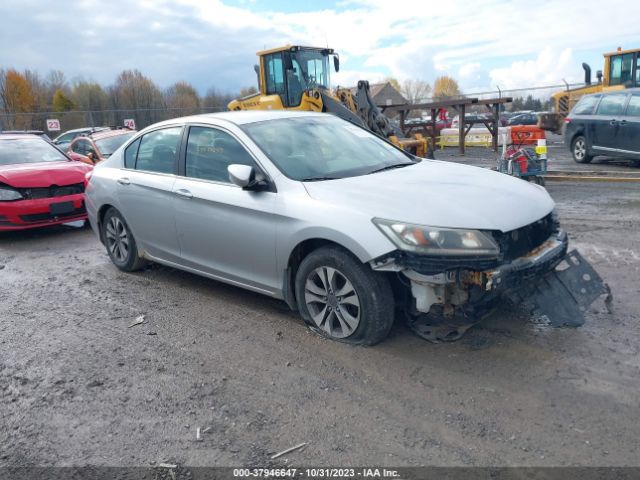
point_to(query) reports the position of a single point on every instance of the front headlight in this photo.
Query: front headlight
(8, 194)
(436, 240)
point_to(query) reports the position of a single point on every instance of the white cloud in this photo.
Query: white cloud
(209, 42)
(469, 70)
(548, 68)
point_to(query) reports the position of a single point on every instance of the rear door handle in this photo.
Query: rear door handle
(623, 122)
(183, 193)
(124, 181)
(612, 122)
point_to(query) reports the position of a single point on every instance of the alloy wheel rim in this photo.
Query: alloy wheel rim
(117, 239)
(332, 301)
(579, 149)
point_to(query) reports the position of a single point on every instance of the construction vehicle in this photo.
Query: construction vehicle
(621, 70)
(298, 78)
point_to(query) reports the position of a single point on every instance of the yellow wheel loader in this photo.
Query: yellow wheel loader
(621, 70)
(298, 78)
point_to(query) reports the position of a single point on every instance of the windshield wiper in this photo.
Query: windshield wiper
(390, 167)
(318, 179)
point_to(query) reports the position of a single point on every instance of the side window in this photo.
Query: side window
(612, 104)
(275, 75)
(81, 147)
(633, 108)
(585, 105)
(158, 150)
(210, 151)
(621, 69)
(130, 154)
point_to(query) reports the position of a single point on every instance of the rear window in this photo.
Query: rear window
(612, 104)
(110, 144)
(28, 150)
(586, 105)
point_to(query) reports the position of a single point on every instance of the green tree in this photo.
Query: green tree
(62, 103)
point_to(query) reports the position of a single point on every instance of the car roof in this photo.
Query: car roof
(108, 133)
(241, 117)
(614, 92)
(14, 136)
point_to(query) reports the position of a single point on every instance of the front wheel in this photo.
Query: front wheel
(342, 299)
(121, 246)
(579, 150)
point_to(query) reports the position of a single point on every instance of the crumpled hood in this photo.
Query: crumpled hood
(45, 174)
(442, 194)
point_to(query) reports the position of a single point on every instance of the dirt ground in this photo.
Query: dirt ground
(79, 387)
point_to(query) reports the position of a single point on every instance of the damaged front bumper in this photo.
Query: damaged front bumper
(553, 286)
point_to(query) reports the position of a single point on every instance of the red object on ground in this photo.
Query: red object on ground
(526, 134)
(523, 163)
(40, 185)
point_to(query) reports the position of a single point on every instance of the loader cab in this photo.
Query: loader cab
(622, 68)
(292, 70)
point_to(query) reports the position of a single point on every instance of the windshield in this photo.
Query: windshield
(110, 144)
(28, 150)
(311, 68)
(323, 148)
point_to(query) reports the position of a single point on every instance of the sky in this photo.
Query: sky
(212, 43)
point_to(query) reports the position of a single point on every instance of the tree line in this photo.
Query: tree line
(27, 99)
(419, 91)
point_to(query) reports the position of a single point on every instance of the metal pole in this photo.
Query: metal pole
(461, 128)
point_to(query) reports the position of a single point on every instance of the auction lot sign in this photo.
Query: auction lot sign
(130, 123)
(53, 125)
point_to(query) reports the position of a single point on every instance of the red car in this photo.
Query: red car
(39, 185)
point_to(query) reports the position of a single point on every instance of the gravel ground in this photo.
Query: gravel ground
(78, 386)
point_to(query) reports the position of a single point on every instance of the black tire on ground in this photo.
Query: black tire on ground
(329, 269)
(579, 150)
(121, 246)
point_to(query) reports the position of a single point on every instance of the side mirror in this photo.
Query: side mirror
(244, 177)
(241, 175)
(336, 62)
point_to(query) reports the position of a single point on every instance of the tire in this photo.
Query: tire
(342, 299)
(579, 150)
(121, 246)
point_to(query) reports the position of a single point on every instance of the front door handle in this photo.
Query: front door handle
(183, 193)
(124, 181)
(623, 123)
(612, 122)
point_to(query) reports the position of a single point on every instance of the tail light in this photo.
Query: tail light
(567, 120)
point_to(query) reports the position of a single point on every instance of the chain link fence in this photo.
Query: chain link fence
(147, 116)
(143, 117)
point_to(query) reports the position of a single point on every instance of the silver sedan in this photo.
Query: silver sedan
(313, 210)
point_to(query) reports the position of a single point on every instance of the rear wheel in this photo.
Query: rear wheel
(342, 299)
(579, 150)
(121, 246)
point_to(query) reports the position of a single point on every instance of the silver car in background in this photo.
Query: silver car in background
(340, 224)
